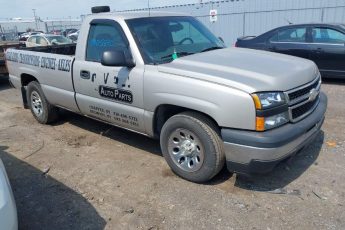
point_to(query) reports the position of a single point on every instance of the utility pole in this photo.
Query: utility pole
(34, 10)
(148, 5)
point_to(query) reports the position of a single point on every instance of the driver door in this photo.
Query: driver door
(108, 93)
(291, 41)
(328, 50)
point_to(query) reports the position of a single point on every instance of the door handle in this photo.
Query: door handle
(319, 50)
(85, 74)
(272, 48)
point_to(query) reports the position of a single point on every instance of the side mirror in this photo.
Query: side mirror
(116, 58)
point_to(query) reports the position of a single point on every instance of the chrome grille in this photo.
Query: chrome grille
(302, 92)
(303, 100)
(300, 110)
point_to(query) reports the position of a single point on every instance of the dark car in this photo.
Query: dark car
(55, 32)
(322, 43)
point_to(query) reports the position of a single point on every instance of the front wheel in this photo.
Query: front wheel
(192, 147)
(40, 108)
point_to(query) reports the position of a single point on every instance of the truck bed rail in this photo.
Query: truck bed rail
(68, 49)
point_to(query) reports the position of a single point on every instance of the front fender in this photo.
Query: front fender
(229, 107)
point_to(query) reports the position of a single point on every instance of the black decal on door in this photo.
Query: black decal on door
(64, 65)
(106, 76)
(116, 94)
(93, 77)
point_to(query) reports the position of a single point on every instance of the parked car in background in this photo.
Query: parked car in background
(56, 32)
(66, 32)
(47, 40)
(24, 36)
(8, 210)
(322, 43)
(74, 36)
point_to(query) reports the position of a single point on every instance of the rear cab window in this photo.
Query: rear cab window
(184, 31)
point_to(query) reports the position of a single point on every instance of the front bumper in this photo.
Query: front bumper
(249, 152)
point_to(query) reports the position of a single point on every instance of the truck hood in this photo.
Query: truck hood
(245, 69)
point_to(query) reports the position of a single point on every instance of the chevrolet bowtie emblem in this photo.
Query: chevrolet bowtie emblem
(313, 94)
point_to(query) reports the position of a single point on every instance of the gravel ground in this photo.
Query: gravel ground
(82, 174)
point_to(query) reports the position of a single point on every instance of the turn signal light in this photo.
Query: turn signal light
(260, 124)
(257, 101)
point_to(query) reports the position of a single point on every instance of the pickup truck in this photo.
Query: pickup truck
(166, 76)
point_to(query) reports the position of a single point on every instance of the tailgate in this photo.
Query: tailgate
(3, 47)
(3, 69)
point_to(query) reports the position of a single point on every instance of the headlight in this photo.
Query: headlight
(265, 123)
(271, 110)
(268, 100)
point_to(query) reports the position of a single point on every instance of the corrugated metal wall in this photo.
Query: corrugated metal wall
(252, 17)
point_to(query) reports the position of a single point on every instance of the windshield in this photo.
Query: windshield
(163, 39)
(58, 39)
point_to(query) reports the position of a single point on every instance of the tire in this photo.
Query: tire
(192, 146)
(41, 109)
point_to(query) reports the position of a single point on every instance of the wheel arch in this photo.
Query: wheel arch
(25, 79)
(165, 111)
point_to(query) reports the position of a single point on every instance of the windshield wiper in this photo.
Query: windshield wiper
(179, 54)
(212, 48)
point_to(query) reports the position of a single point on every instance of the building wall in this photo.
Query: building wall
(252, 17)
(235, 17)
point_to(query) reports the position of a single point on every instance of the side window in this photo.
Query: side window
(42, 41)
(102, 38)
(274, 38)
(326, 35)
(32, 39)
(292, 35)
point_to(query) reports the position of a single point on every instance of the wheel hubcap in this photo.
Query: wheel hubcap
(36, 103)
(186, 150)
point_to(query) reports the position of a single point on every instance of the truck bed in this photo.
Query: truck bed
(68, 49)
(50, 66)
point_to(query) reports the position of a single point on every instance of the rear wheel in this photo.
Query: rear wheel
(40, 108)
(192, 147)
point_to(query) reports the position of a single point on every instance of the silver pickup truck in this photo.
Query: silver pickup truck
(168, 77)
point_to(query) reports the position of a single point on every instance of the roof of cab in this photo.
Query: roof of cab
(138, 14)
